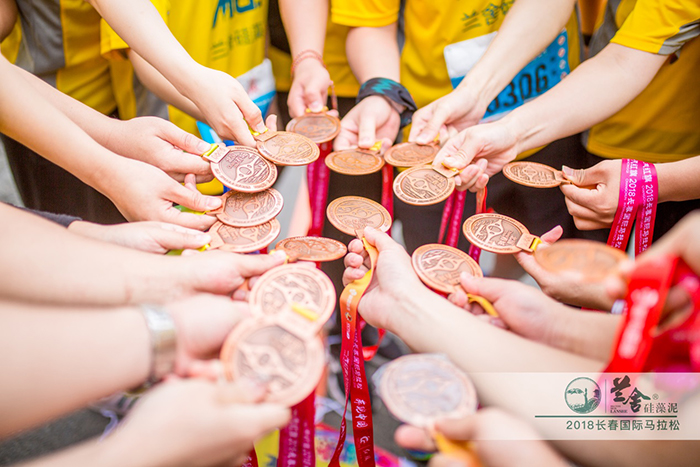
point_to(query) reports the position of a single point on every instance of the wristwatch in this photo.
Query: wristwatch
(161, 327)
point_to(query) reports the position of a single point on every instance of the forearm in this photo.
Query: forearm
(585, 333)
(595, 90)
(56, 360)
(305, 24)
(373, 53)
(678, 181)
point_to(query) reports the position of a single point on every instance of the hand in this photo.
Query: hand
(162, 144)
(149, 236)
(195, 423)
(226, 106)
(500, 440)
(593, 197)
(143, 192)
(494, 142)
(456, 111)
(392, 281)
(309, 88)
(371, 120)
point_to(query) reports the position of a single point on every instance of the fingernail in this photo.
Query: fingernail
(316, 106)
(568, 171)
(279, 254)
(202, 238)
(203, 146)
(213, 203)
(261, 128)
(422, 139)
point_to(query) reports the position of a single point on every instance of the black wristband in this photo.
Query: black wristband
(393, 91)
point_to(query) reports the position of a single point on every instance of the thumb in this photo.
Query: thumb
(182, 139)
(579, 177)
(241, 391)
(553, 235)
(259, 419)
(313, 98)
(490, 288)
(463, 429)
(255, 265)
(432, 128)
(580, 196)
(251, 113)
(381, 240)
(194, 200)
(180, 239)
(367, 133)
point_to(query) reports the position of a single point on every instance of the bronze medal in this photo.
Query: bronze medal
(244, 239)
(423, 186)
(411, 154)
(351, 214)
(499, 234)
(317, 249)
(591, 261)
(265, 350)
(242, 168)
(248, 209)
(354, 162)
(305, 292)
(439, 266)
(285, 148)
(533, 174)
(420, 389)
(318, 127)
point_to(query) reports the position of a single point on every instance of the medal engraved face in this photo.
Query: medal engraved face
(411, 154)
(244, 239)
(354, 162)
(284, 287)
(439, 266)
(319, 128)
(284, 148)
(316, 249)
(243, 169)
(288, 365)
(420, 389)
(351, 214)
(533, 174)
(591, 261)
(494, 232)
(422, 186)
(249, 209)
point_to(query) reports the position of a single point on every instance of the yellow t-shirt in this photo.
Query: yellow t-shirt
(662, 124)
(60, 43)
(10, 46)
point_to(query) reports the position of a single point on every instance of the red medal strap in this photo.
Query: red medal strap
(475, 251)
(317, 174)
(297, 443)
(252, 460)
(387, 191)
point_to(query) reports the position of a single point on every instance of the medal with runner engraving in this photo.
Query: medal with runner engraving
(243, 239)
(411, 154)
(285, 148)
(241, 168)
(351, 214)
(535, 175)
(439, 266)
(355, 161)
(240, 209)
(499, 234)
(318, 127)
(317, 249)
(592, 261)
(423, 185)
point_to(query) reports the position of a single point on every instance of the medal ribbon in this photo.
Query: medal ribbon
(297, 443)
(356, 389)
(639, 190)
(252, 460)
(317, 174)
(452, 216)
(387, 191)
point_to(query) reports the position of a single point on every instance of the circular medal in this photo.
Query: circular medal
(422, 186)
(439, 266)
(317, 249)
(420, 389)
(498, 234)
(265, 351)
(285, 148)
(351, 214)
(244, 239)
(533, 174)
(354, 162)
(248, 209)
(318, 127)
(411, 154)
(292, 286)
(244, 169)
(590, 260)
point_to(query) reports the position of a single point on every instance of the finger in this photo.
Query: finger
(582, 196)
(295, 102)
(211, 370)
(193, 199)
(314, 96)
(256, 265)
(367, 134)
(419, 121)
(251, 112)
(580, 177)
(237, 128)
(381, 240)
(411, 437)
(191, 182)
(346, 139)
(432, 128)
(480, 184)
(462, 429)
(241, 391)
(458, 298)
(490, 288)
(353, 260)
(356, 246)
(271, 122)
(444, 460)
(259, 419)
(191, 239)
(183, 140)
(186, 219)
(553, 235)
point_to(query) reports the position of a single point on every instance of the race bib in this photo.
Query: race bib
(538, 76)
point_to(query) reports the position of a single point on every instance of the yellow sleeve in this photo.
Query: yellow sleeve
(660, 26)
(365, 13)
(113, 47)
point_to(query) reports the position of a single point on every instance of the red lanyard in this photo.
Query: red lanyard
(452, 219)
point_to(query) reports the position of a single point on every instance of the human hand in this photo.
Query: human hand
(592, 198)
(456, 111)
(149, 236)
(195, 423)
(309, 88)
(162, 144)
(371, 120)
(392, 281)
(499, 440)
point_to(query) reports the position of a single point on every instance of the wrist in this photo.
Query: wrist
(163, 342)
(409, 313)
(477, 89)
(519, 130)
(663, 173)
(394, 92)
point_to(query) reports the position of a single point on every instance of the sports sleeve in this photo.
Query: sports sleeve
(365, 13)
(660, 26)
